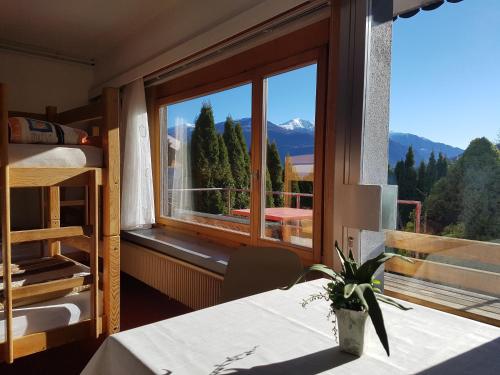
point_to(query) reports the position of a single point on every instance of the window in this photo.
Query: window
(444, 156)
(289, 156)
(226, 172)
(206, 159)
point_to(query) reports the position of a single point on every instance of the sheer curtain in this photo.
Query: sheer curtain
(137, 209)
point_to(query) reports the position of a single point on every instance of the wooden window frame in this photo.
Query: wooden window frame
(313, 51)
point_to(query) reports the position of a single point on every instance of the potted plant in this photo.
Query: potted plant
(353, 296)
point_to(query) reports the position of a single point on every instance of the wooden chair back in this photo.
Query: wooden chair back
(253, 270)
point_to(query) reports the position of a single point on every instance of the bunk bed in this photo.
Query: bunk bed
(50, 299)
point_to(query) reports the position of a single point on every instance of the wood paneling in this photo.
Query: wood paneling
(31, 177)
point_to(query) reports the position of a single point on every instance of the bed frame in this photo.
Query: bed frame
(105, 115)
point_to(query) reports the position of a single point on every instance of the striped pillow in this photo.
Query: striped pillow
(27, 130)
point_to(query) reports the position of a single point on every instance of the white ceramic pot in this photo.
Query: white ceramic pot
(351, 330)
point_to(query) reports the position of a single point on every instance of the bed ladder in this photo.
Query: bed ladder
(52, 234)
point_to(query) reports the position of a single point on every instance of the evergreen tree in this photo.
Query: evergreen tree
(441, 166)
(468, 197)
(238, 164)
(422, 181)
(275, 171)
(407, 184)
(223, 177)
(269, 189)
(431, 172)
(204, 159)
(246, 156)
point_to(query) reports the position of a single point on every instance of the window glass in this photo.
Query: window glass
(444, 156)
(289, 156)
(206, 159)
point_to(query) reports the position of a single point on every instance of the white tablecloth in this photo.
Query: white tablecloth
(271, 333)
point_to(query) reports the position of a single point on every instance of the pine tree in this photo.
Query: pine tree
(276, 172)
(269, 189)
(224, 178)
(407, 184)
(422, 181)
(441, 166)
(245, 197)
(204, 161)
(238, 165)
(431, 172)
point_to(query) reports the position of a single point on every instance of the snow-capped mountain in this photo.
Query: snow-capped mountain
(297, 124)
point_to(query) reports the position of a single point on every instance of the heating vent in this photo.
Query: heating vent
(188, 284)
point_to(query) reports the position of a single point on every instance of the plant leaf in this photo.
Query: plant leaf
(367, 269)
(315, 268)
(390, 301)
(349, 289)
(375, 313)
(348, 266)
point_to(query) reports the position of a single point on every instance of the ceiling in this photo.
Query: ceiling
(79, 28)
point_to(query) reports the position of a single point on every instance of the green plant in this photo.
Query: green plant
(355, 288)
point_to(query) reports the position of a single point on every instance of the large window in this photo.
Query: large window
(206, 159)
(444, 156)
(237, 157)
(289, 136)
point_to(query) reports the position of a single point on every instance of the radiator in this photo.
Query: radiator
(190, 285)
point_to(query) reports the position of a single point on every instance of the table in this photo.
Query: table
(270, 333)
(283, 215)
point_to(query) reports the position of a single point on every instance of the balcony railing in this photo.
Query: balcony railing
(455, 275)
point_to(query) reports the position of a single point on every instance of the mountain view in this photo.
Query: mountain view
(296, 137)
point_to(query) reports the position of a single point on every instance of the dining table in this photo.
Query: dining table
(272, 333)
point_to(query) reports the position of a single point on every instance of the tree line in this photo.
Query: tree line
(223, 161)
(461, 198)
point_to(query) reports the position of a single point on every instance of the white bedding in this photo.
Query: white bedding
(54, 156)
(50, 314)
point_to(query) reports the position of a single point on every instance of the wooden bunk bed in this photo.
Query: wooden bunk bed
(62, 274)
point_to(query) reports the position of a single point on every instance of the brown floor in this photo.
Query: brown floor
(140, 305)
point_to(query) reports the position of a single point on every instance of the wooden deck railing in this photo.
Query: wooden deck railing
(468, 275)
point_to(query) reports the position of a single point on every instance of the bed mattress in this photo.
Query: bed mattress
(47, 315)
(54, 156)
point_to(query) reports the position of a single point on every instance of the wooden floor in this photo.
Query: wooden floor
(140, 305)
(465, 303)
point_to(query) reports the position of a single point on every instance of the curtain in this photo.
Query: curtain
(137, 208)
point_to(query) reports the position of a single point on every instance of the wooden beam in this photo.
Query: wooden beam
(456, 248)
(54, 220)
(46, 234)
(94, 252)
(440, 273)
(111, 250)
(6, 234)
(28, 291)
(88, 112)
(31, 177)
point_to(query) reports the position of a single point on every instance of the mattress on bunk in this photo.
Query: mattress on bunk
(48, 315)
(54, 156)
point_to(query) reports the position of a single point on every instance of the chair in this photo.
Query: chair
(253, 270)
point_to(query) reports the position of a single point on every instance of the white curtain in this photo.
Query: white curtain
(137, 208)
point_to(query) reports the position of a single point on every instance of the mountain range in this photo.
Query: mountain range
(296, 137)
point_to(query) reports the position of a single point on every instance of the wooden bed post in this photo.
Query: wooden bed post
(6, 243)
(111, 209)
(54, 198)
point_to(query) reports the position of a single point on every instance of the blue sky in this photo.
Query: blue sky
(290, 95)
(446, 73)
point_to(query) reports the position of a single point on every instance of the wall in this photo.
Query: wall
(34, 82)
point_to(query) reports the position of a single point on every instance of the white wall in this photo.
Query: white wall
(188, 28)
(35, 82)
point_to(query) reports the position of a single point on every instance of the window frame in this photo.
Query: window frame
(316, 54)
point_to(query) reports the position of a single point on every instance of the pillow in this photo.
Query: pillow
(27, 130)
